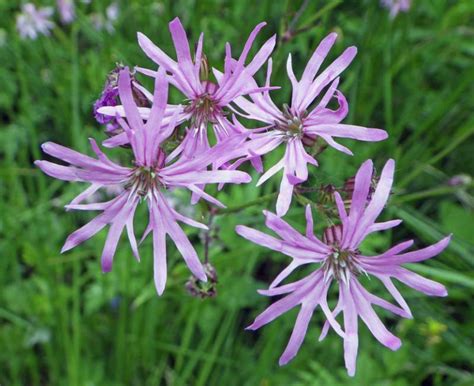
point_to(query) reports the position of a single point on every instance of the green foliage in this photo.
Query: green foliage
(62, 322)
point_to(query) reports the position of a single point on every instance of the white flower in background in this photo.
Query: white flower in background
(396, 6)
(106, 23)
(66, 11)
(32, 22)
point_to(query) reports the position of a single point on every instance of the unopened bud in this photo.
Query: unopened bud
(332, 235)
(110, 97)
(460, 180)
(200, 289)
(326, 194)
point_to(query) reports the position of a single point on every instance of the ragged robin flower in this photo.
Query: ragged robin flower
(147, 180)
(306, 119)
(338, 261)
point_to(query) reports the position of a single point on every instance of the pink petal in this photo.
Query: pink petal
(115, 231)
(159, 252)
(377, 203)
(92, 227)
(351, 340)
(348, 131)
(370, 318)
(65, 173)
(419, 255)
(182, 242)
(284, 197)
(415, 281)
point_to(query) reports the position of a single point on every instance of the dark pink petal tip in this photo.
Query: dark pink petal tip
(106, 266)
(240, 229)
(66, 247)
(294, 180)
(45, 146)
(443, 293)
(176, 20)
(285, 359)
(393, 343)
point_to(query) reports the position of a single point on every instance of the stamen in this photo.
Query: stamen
(341, 263)
(204, 110)
(143, 180)
(291, 125)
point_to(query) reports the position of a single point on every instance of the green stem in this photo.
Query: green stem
(448, 149)
(429, 193)
(238, 208)
(76, 293)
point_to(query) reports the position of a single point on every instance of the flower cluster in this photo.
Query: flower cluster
(32, 21)
(202, 141)
(396, 6)
(336, 258)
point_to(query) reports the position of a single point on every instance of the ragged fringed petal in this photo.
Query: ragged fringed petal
(415, 256)
(337, 310)
(183, 53)
(285, 304)
(382, 226)
(159, 248)
(351, 339)
(85, 194)
(376, 205)
(284, 196)
(326, 77)
(387, 282)
(184, 74)
(78, 159)
(237, 76)
(419, 283)
(94, 226)
(308, 306)
(364, 309)
(311, 70)
(288, 233)
(116, 228)
(179, 238)
(348, 131)
(290, 287)
(277, 245)
(65, 173)
(206, 177)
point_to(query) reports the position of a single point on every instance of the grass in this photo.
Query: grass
(62, 322)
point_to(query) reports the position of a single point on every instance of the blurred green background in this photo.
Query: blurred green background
(63, 322)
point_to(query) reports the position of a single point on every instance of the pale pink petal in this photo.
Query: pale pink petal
(351, 340)
(65, 173)
(348, 131)
(415, 281)
(182, 242)
(370, 318)
(159, 251)
(284, 197)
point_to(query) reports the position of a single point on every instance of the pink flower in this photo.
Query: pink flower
(303, 121)
(206, 101)
(147, 180)
(32, 22)
(396, 6)
(339, 260)
(66, 10)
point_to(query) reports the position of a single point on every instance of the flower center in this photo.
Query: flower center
(204, 109)
(291, 125)
(143, 180)
(341, 263)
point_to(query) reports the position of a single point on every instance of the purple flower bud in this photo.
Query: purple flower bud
(110, 97)
(199, 289)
